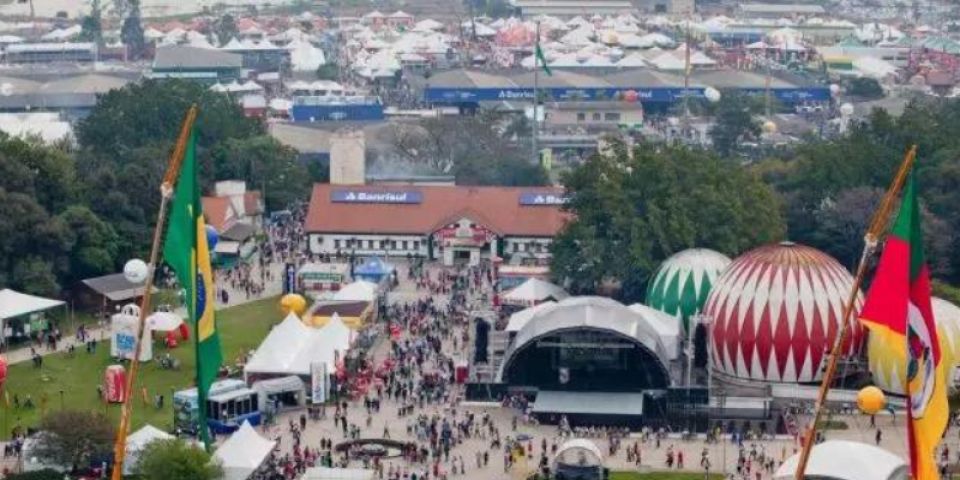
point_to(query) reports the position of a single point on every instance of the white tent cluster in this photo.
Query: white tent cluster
(243, 453)
(291, 347)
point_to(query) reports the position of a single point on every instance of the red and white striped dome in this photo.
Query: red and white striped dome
(776, 310)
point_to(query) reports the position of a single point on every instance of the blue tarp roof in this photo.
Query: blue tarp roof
(374, 266)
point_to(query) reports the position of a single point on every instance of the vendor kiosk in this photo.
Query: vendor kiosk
(227, 411)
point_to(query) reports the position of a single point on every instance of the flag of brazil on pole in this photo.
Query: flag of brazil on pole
(187, 252)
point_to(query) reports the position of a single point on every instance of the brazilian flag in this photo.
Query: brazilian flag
(187, 252)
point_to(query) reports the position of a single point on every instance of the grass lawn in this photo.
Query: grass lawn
(662, 476)
(77, 375)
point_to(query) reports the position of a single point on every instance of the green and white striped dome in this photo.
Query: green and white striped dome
(682, 283)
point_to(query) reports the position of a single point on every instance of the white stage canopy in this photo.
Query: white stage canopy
(534, 291)
(846, 460)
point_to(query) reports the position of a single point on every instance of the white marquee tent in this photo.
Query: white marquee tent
(291, 347)
(534, 291)
(667, 326)
(359, 291)
(243, 453)
(139, 440)
(846, 460)
(16, 304)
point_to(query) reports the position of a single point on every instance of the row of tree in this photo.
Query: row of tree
(635, 208)
(72, 212)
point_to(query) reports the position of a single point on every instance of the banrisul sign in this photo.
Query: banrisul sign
(366, 196)
(540, 198)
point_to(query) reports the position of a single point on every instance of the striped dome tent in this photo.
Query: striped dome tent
(776, 310)
(682, 283)
(888, 373)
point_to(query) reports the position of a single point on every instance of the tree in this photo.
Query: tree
(45, 474)
(263, 162)
(72, 437)
(634, 209)
(226, 28)
(477, 149)
(734, 123)
(131, 33)
(865, 87)
(91, 27)
(328, 71)
(174, 458)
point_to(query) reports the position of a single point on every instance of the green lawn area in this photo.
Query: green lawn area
(662, 476)
(77, 375)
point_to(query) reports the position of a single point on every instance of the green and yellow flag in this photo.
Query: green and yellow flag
(187, 252)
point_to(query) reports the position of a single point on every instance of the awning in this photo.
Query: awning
(589, 403)
(15, 304)
(272, 386)
(226, 247)
(116, 287)
(239, 232)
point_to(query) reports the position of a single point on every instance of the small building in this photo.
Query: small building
(115, 289)
(237, 215)
(201, 64)
(457, 224)
(595, 114)
(50, 52)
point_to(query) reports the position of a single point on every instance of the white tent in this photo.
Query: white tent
(874, 67)
(633, 60)
(359, 291)
(846, 460)
(15, 304)
(139, 440)
(335, 335)
(656, 39)
(519, 319)
(534, 291)
(243, 453)
(326, 473)
(427, 25)
(668, 61)
(304, 57)
(164, 321)
(284, 351)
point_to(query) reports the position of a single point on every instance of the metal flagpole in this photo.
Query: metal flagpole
(877, 226)
(536, 95)
(166, 192)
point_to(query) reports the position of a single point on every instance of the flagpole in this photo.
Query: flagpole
(536, 95)
(166, 192)
(878, 225)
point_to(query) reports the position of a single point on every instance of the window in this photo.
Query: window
(370, 244)
(416, 244)
(596, 116)
(404, 244)
(393, 244)
(581, 117)
(516, 247)
(336, 244)
(611, 116)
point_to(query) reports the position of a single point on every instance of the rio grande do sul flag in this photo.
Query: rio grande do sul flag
(897, 309)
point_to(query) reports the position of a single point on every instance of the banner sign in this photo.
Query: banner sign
(644, 95)
(541, 198)
(361, 196)
(318, 382)
(289, 278)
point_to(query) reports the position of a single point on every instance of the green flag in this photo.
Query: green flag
(187, 252)
(541, 60)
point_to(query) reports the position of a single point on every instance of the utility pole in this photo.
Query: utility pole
(536, 97)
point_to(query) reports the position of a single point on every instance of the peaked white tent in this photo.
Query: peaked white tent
(335, 335)
(534, 291)
(15, 304)
(284, 351)
(304, 57)
(139, 440)
(243, 453)
(359, 291)
(846, 460)
(667, 327)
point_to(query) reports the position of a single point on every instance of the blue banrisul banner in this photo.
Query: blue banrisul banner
(368, 196)
(541, 198)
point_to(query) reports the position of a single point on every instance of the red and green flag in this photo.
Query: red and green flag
(187, 252)
(898, 311)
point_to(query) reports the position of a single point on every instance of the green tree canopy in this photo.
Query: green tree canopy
(71, 437)
(634, 209)
(174, 458)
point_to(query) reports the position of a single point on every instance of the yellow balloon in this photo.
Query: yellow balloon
(871, 400)
(293, 303)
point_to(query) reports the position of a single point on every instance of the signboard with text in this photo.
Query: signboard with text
(542, 198)
(368, 196)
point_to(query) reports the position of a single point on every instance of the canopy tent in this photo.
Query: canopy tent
(534, 291)
(291, 347)
(373, 270)
(243, 453)
(519, 319)
(16, 304)
(359, 291)
(846, 460)
(164, 321)
(327, 473)
(139, 440)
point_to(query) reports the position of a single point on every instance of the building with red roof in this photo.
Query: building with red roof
(448, 222)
